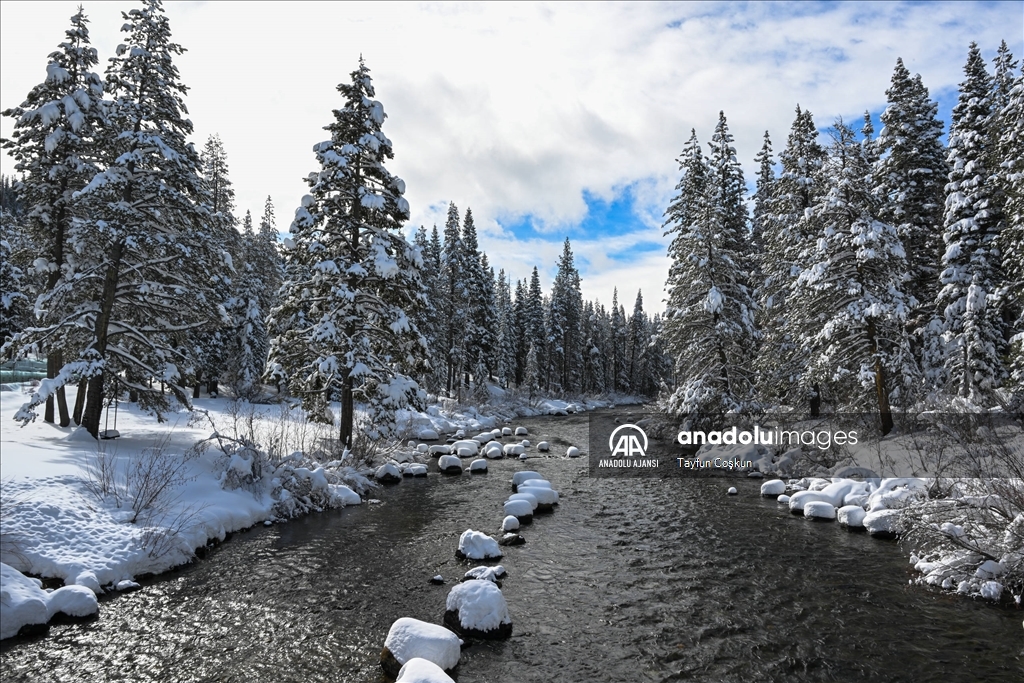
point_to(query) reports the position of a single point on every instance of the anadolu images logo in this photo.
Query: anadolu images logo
(628, 443)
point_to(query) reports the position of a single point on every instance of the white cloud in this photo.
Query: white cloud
(515, 109)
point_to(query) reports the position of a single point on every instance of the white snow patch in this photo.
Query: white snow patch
(411, 638)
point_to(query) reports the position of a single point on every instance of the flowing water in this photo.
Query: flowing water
(628, 580)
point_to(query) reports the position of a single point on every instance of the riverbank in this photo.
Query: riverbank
(628, 580)
(93, 514)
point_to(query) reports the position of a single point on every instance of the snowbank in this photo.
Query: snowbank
(23, 602)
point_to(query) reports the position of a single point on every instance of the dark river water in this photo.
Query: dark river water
(628, 580)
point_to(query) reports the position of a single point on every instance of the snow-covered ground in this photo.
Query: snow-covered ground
(87, 512)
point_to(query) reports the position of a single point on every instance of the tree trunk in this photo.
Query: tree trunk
(815, 400)
(196, 390)
(62, 398)
(881, 391)
(50, 374)
(83, 387)
(347, 413)
(94, 400)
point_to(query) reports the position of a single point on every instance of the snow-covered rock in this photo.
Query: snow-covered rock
(477, 609)
(514, 449)
(483, 437)
(523, 476)
(522, 495)
(475, 545)
(537, 483)
(543, 447)
(511, 538)
(416, 470)
(388, 474)
(525, 443)
(449, 464)
(882, 523)
(427, 435)
(440, 449)
(851, 516)
(422, 448)
(989, 569)
(783, 500)
(896, 493)
(506, 431)
(991, 590)
(732, 491)
(494, 574)
(572, 452)
(510, 523)
(773, 488)
(520, 509)
(478, 466)
(494, 452)
(23, 602)
(418, 670)
(546, 497)
(521, 431)
(409, 639)
(465, 448)
(818, 510)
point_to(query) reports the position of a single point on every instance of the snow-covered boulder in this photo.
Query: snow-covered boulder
(449, 464)
(543, 447)
(514, 449)
(520, 509)
(521, 431)
(465, 448)
(521, 495)
(773, 488)
(520, 477)
(882, 523)
(896, 493)
(494, 574)
(483, 438)
(427, 435)
(546, 497)
(525, 443)
(537, 483)
(475, 545)
(510, 523)
(818, 510)
(478, 466)
(511, 538)
(783, 500)
(388, 474)
(416, 470)
(506, 431)
(422, 448)
(494, 452)
(572, 452)
(477, 609)
(23, 602)
(732, 491)
(440, 449)
(851, 517)
(418, 670)
(409, 639)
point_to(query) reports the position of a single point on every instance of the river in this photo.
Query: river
(628, 580)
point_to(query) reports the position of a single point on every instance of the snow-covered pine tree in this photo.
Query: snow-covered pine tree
(474, 282)
(971, 264)
(618, 379)
(636, 348)
(908, 180)
(762, 207)
(709, 327)
(489, 319)
(851, 290)
(536, 332)
(349, 333)
(426, 315)
(249, 344)
(266, 256)
(781, 362)
(215, 345)
(566, 312)
(521, 330)
(593, 374)
(140, 246)
(507, 337)
(53, 145)
(455, 303)
(1011, 180)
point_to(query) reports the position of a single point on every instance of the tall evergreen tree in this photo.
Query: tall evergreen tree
(908, 180)
(782, 361)
(53, 144)
(455, 302)
(348, 333)
(618, 367)
(851, 292)
(536, 334)
(762, 205)
(709, 327)
(1011, 179)
(973, 328)
(566, 349)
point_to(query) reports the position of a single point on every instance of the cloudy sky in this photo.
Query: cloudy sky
(550, 121)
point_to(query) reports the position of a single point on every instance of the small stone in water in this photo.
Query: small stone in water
(437, 580)
(732, 490)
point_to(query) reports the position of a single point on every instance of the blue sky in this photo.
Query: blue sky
(548, 120)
